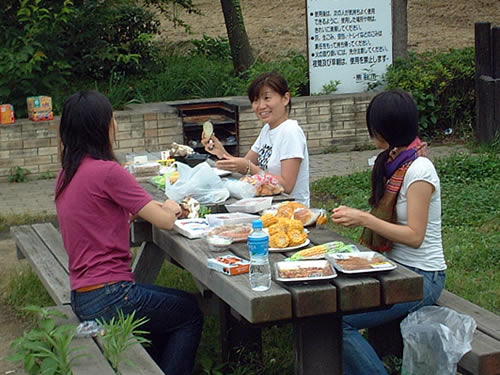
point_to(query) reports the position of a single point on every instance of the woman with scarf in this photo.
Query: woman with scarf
(405, 220)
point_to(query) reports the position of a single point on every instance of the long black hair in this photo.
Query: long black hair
(84, 131)
(392, 115)
(274, 80)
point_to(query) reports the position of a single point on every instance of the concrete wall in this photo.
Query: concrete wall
(330, 122)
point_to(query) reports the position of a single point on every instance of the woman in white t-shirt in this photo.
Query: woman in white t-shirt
(280, 149)
(405, 220)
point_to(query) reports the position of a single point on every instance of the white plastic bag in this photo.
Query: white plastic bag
(239, 189)
(200, 182)
(435, 339)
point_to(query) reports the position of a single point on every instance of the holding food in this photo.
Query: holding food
(281, 147)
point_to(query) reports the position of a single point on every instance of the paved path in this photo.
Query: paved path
(37, 196)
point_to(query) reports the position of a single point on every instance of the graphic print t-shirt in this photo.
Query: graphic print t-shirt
(287, 141)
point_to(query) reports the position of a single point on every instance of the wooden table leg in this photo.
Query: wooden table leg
(237, 335)
(319, 345)
(148, 263)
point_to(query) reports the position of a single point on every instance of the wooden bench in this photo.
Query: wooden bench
(42, 246)
(484, 357)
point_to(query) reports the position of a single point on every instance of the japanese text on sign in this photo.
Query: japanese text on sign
(349, 41)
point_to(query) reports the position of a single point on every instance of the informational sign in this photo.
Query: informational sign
(349, 41)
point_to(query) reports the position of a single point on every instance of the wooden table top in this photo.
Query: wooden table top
(343, 294)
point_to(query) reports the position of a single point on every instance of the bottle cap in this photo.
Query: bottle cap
(258, 224)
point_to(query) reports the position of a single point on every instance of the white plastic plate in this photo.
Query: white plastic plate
(382, 263)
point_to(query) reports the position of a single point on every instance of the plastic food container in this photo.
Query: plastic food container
(250, 205)
(230, 218)
(218, 243)
(360, 262)
(304, 270)
(145, 169)
(192, 228)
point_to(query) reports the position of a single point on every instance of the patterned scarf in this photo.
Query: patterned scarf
(395, 171)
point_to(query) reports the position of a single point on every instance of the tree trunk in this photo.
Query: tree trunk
(237, 34)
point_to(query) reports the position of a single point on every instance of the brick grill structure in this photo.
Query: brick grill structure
(330, 122)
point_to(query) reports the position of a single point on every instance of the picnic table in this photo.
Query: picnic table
(315, 310)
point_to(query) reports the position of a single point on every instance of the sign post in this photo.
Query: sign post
(349, 41)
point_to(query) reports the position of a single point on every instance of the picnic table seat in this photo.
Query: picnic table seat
(41, 244)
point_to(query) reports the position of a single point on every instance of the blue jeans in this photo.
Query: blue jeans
(175, 320)
(359, 356)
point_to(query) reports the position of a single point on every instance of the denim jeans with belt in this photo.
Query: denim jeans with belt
(359, 356)
(175, 320)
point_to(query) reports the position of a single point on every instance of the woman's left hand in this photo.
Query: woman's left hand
(230, 163)
(347, 216)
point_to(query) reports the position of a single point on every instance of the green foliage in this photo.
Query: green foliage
(212, 47)
(18, 174)
(32, 59)
(117, 37)
(329, 88)
(47, 175)
(121, 334)
(46, 348)
(23, 287)
(331, 149)
(442, 84)
(210, 366)
(187, 78)
(204, 211)
(9, 219)
(293, 67)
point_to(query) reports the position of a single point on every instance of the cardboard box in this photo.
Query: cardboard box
(7, 114)
(39, 108)
(229, 265)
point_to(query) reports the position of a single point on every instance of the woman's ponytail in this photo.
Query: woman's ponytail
(378, 177)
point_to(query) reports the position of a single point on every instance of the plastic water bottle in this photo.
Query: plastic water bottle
(260, 271)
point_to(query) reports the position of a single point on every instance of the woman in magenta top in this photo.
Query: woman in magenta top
(95, 200)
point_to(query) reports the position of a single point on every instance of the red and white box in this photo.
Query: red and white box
(229, 265)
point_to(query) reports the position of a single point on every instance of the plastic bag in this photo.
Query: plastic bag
(200, 182)
(239, 189)
(89, 328)
(435, 339)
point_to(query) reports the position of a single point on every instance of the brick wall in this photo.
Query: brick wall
(331, 123)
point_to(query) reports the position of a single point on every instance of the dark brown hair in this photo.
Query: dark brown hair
(274, 80)
(84, 131)
(392, 115)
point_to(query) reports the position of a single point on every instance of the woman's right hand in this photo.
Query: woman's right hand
(212, 145)
(172, 206)
(347, 216)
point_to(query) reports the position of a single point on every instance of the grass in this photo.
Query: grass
(8, 220)
(471, 236)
